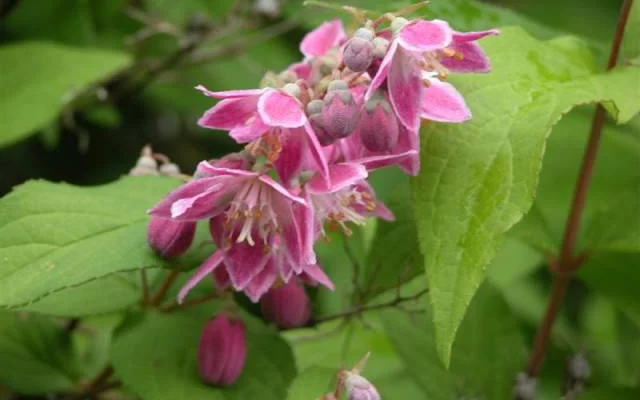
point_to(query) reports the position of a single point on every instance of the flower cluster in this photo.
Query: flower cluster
(312, 134)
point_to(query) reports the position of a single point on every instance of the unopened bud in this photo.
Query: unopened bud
(222, 351)
(358, 54)
(169, 169)
(380, 46)
(314, 113)
(341, 113)
(292, 89)
(145, 165)
(358, 388)
(579, 367)
(398, 23)
(378, 125)
(525, 387)
(287, 306)
(327, 64)
(170, 238)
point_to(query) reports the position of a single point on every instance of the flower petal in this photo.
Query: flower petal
(262, 282)
(316, 273)
(442, 102)
(230, 94)
(249, 132)
(280, 109)
(316, 151)
(291, 158)
(383, 160)
(473, 59)
(302, 69)
(341, 175)
(383, 70)
(317, 42)
(208, 168)
(244, 262)
(207, 267)
(266, 179)
(473, 36)
(421, 35)
(229, 113)
(405, 89)
(409, 141)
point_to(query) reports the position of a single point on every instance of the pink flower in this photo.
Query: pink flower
(268, 118)
(222, 351)
(442, 102)
(469, 56)
(320, 40)
(287, 306)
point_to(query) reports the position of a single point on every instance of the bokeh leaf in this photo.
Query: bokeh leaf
(31, 99)
(155, 355)
(479, 178)
(617, 227)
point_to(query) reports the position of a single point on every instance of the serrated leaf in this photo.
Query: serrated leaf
(487, 354)
(55, 236)
(35, 354)
(479, 178)
(617, 227)
(155, 356)
(30, 99)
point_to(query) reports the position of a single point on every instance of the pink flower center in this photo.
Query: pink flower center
(342, 207)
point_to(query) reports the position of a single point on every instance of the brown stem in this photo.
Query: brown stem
(96, 385)
(361, 309)
(567, 262)
(166, 284)
(191, 303)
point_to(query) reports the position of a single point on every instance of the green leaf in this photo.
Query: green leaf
(604, 393)
(35, 354)
(487, 354)
(617, 227)
(616, 276)
(313, 383)
(155, 356)
(631, 44)
(479, 178)
(31, 99)
(55, 236)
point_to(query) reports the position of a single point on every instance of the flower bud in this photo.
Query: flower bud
(579, 367)
(314, 112)
(287, 306)
(525, 387)
(341, 113)
(358, 52)
(358, 388)
(222, 351)
(146, 165)
(170, 238)
(169, 169)
(398, 23)
(378, 125)
(380, 46)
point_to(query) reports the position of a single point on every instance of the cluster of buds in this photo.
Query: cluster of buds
(312, 135)
(150, 163)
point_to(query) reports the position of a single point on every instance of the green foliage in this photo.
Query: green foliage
(73, 235)
(617, 227)
(164, 364)
(487, 354)
(36, 355)
(481, 176)
(312, 383)
(69, 70)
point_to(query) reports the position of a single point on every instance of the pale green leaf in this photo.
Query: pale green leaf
(487, 354)
(479, 178)
(312, 383)
(155, 355)
(56, 236)
(34, 354)
(31, 99)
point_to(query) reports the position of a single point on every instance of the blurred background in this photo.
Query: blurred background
(85, 84)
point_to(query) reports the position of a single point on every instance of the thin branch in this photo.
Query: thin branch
(366, 308)
(96, 385)
(567, 263)
(191, 303)
(166, 284)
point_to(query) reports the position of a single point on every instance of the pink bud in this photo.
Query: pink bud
(358, 52)
(378, 125)
(222, 351)
(170, 238)
(341, 113)
(358, 388)
(287, 306)
(314, 113)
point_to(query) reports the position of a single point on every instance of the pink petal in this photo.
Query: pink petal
(409, 141)
(316, 151)
(262, 282)
(244, 262)
(290, 160)
(207, 167)
(382, 211)
(474, 59)
(421, 35)
(379, 161)
(249, 132)
(207, 267)
(280, 109)
(221, 278)
(383, 71)
(473, 36)
(405, 89)
(301, 69)
(230, 94)
(442, 102)
(266, 179)
(341, 175)
(229, 113)
(316, 273)
(317, 42)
